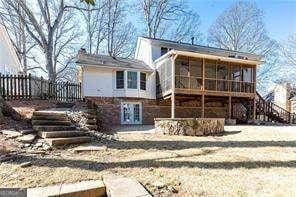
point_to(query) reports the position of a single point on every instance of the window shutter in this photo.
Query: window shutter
(119, 79)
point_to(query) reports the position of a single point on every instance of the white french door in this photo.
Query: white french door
(131, 113)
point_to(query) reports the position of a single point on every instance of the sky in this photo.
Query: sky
(280, 15)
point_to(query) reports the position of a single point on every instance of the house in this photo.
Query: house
(170, 79)
(9, 62)
(284, 96)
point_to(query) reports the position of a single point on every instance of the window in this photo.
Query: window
(163, 50)
(132, 80)
(119, 79)
(143, 81)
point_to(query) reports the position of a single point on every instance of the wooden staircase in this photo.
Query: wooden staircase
(56, 128)
(273, 112)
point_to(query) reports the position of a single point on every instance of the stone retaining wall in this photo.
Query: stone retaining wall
(189, 126)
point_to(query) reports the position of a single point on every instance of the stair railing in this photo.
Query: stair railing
(274, 111)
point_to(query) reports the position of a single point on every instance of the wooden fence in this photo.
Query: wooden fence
(24, 87)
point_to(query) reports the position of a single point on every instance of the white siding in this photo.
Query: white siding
(9, 63)
(144, 52)
(97, 82)
(101, 82)
(281, 94)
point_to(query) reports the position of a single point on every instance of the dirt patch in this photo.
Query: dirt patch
(246, 161)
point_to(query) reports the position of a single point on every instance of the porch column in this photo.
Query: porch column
(202, 105)
(229, 107)
(173, 105)
(254, 109)
(173, 101)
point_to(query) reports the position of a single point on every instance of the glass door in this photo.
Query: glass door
(131, 113)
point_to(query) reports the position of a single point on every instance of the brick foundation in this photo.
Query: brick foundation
(110, 109)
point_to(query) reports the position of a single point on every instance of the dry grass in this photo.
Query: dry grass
(246, 161)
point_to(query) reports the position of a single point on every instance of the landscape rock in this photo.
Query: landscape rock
(158, 184)
(11, 133)
(29, 138)
(25, 164)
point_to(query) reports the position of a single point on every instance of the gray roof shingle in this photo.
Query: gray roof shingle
(203, 49)
(108, 61)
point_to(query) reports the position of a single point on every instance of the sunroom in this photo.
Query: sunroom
(183, 76)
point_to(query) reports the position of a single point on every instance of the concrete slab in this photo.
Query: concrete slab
(118, 186)
(89, 148)
(126, 129)
(93, 188)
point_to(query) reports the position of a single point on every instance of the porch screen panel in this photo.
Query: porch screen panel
(247, 79)
(222, 76)
(235, 77)
(210, 75)
(182, 72)
(195, 70)
(164, 77)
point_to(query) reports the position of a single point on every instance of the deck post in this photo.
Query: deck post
(254, 109)
(203, 105)
(229, 107)
(173, 101)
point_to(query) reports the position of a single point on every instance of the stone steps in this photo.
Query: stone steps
(50, 113)
(92, 127)
(53, 128)
(67, 140)
(46, 117)
(91, 121)
(60, 134)
(51, 122)
(56, 128)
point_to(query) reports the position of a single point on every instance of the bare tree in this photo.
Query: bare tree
(289, 50)
(187, 27)
(42, 31)
(17, 32)
(241, 27)
(169, 19)
(107, 30)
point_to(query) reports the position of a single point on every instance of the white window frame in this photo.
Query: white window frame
(140, 113)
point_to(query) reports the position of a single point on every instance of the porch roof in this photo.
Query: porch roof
(208, 56)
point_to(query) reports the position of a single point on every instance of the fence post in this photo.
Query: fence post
(30, 86)
(1, 90)
(41, 88)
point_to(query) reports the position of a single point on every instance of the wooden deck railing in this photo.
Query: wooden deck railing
(24, 87)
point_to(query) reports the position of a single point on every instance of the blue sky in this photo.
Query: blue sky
(280, 15)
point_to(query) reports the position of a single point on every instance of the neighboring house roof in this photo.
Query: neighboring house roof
(202, 49)
(107, 61)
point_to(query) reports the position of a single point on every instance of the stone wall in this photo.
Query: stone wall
(189, 126)
(110, 109)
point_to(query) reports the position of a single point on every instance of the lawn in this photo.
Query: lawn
(246, 161)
